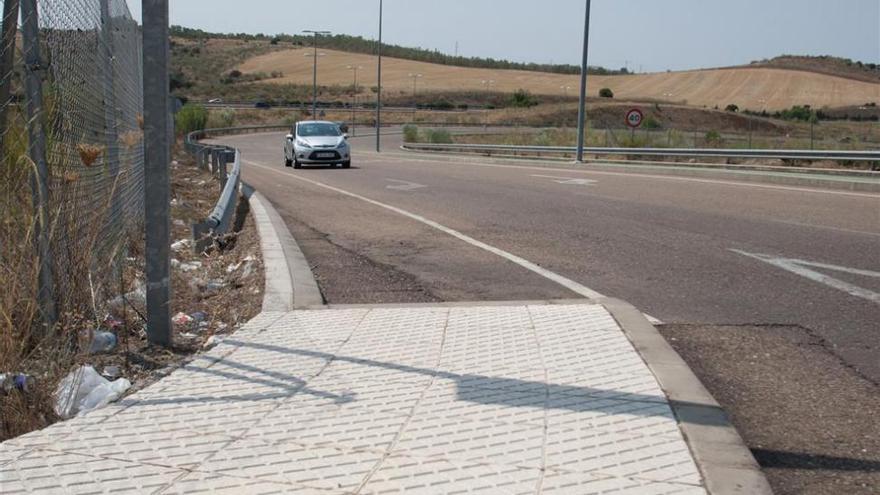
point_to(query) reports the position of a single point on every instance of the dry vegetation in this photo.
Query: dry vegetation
(749, 88)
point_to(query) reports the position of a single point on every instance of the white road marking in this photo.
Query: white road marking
(637, 174)
(528, 265)
(569, 180)
(798, 267)
(403, 185)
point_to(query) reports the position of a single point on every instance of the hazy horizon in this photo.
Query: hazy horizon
(639, 34)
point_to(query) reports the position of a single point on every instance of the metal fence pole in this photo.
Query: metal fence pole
(157, 156)
(7, 58)
(582, 107)
(37, 151)
(111, 155)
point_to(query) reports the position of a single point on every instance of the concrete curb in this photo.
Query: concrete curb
(726, 463)
(289, 281)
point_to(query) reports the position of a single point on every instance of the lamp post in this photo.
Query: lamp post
(355, 69)
(315, 71)
(414, 77)
(379, 87)
(582, 107)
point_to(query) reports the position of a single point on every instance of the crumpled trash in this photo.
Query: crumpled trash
(18, 381)
(199, 316)
(182, 319)
(212, 341)
(84, 390)
(180, 245)
(111, 372)
(137, 297)
(113, 323)
(190, 266)
(102, 342)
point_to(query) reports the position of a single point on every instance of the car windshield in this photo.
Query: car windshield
(319, 129)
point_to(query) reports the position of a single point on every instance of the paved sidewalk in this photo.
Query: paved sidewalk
(489, 399)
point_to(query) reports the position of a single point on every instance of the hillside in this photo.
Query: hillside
(833, 66)
(749, 87)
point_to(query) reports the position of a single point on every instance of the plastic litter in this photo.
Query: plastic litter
(182, 319)
(111, 372)
(189, 266)
(102, 342)
(84, 390)
(199, 316)
(17, 381)
(180, 245)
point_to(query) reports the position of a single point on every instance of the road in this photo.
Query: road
(399, 227)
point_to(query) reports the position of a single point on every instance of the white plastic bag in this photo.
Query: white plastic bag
(85, 389)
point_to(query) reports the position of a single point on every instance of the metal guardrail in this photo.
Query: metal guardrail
(490, 149)
(216, 159)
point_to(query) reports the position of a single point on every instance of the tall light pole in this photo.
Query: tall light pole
(315, 71)
(379, 87)
(582, 108)
(355, 69)
(415, 77)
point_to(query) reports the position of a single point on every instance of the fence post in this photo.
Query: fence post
(157, 156)
(37, 151)
(7, 58)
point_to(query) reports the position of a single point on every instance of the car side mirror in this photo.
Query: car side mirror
(345, 136)
(290, 137)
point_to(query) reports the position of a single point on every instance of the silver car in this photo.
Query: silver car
(315, 142)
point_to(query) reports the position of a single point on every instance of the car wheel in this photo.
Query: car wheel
(346, 164)
(297, 164)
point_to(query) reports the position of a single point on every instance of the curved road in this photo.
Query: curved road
(400, 227)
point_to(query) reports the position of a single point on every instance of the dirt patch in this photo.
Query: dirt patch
(214, 294)
(810, 420)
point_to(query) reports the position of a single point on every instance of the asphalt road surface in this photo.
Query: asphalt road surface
(401, 227)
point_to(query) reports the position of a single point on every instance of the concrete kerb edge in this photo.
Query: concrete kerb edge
(725, 462)
(290, 283)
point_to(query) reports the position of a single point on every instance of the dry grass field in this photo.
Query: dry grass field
(749, 88)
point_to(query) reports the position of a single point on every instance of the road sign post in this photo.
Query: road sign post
(634, 118)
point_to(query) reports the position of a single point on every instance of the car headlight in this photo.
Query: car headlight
(302, 144)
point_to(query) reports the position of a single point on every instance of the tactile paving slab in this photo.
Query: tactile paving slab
(487, 399)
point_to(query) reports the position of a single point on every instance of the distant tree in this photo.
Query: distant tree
(731, 108)
(606, 93)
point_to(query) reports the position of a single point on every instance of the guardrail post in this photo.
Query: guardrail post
(221, 169)
(157, 157)
(37, 151)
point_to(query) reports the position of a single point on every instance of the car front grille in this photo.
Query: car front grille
(324, 155)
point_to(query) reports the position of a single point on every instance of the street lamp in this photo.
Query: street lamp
(582, 108)
(379, 87)
(315, 71)
(414, 77)
(355, 69)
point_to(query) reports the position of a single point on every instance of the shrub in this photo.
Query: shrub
(410, 134)
(606, 93)
(731, 108)
(223, 118)
(523, 99)
(438, 136)
(651, 123)
(191, 118)
(713, 138)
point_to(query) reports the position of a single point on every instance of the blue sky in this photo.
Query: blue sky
(650, 34)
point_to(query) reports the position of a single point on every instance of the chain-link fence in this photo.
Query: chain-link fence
(72, 144)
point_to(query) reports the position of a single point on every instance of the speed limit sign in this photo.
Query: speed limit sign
(634, 118)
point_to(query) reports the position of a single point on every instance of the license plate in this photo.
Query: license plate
(326, 155)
